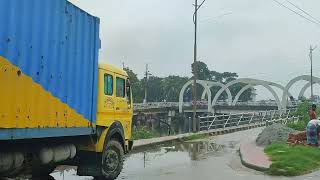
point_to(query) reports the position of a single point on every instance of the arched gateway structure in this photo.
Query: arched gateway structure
(292, 82)
(212, 84)
(281, 103)
(204, 84)
(251, 85)
(207, 85)
(251, 82)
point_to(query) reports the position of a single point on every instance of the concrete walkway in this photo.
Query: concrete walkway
(144, 142)
(212, 132)
(159, 140)
(254, 157)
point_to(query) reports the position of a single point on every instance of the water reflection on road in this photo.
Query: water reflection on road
(214, 158)
(166, 159)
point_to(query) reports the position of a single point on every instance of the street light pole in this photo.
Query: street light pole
(194, 85)
(146, 84)
(311, 77)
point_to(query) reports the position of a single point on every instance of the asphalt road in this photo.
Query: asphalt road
(216, 158)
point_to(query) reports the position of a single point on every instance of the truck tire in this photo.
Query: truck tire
(112, 160)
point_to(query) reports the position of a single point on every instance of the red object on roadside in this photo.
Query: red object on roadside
(298, 138)
(312, 114)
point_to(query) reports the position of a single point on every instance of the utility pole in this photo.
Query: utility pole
(147, 73)
(194, 85)
(311, 69)
(123, 65)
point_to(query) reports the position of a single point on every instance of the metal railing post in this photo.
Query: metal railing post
(272, 116)
(189, 124)
(251, 118)
(264, 116)
(212, 122)
(240, 119)
(288, 113)
(198, 124)
(227, 121)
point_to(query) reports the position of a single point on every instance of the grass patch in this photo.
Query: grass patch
(292, 161)
(195, 137)
(144, 134)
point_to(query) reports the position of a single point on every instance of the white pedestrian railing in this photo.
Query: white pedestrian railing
(157, 105)
(242, 119)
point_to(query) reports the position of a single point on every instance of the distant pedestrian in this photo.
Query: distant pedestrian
(312, 112)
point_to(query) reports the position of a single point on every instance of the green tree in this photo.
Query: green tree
(204, 73)
(171, 86)
(155, 93)
(168, 88)
(228, 77)
(201, 70)
(136, 85)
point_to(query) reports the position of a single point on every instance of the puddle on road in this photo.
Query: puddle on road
(166, 158)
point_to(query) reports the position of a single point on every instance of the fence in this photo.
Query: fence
(157, 105)
(243, 119)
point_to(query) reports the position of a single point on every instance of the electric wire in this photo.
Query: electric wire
(302, 16)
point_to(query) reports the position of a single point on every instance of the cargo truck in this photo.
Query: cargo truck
(57, 104)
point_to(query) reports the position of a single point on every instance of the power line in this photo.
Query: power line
(201, 5)
(281, 4)
(303, 11)
(216, 18)
(197, 7)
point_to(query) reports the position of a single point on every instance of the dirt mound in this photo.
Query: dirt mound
(276, 133)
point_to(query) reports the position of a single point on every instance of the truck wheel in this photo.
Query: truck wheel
(112, 160)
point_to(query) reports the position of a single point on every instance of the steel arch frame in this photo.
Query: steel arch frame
(263, 83)
(221, 85)
(204, 84)
(292, 82)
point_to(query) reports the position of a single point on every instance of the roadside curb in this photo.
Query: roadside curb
(153, 141)
(253, 157)
(214, 132)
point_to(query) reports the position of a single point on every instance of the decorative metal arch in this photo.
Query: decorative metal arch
(212, 84)
(265, 84)
(292, 82)
(304, 88)
(204, 84)
(236, 98)
(252, 85)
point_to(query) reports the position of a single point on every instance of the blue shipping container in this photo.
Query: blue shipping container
(53, 44)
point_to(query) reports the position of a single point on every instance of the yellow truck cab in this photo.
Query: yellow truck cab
(114, 122)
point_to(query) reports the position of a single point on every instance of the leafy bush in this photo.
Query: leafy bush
(299, 126)
(142, 133)
(303, 113)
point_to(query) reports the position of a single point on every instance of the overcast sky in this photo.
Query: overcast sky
(258, 39)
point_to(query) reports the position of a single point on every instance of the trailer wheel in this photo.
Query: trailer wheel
(112, 160)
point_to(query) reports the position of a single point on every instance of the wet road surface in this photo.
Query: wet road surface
(214, 158)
